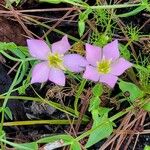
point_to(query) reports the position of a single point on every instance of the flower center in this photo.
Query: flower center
(103, 66)
(55, 60)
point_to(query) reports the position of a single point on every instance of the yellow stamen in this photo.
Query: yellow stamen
(104, 66)
(55, 60)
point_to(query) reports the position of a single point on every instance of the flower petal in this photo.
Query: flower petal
(93, 54)
(119, 66)
(75, 62)
(38, 48)
(111, 50)
(91, 73)
(57, 76)
(61, 46)
(40, 73)
(109, 79)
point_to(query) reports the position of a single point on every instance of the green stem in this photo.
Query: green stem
(35, 122)
(77, 96)
(86, 6)
(108, 25)
(112, 6)
(67, 110)
(8, 95)
(16, 59)
(29, 59)
(18, 146)
(120, 114)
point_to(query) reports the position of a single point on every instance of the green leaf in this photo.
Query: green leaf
(146, 107)
(75, 146)
(147, 147)
(103, 111)
(19, 51)
(95, 116)
(28, 146)
(5, 46)
(65, 138)
(94, 103)
(97, 90)
(24, 50)
(102, 126)
(8, 113)
(2, 135)
(124, 51)
(81, 27)
(24, 69)
(134, 91)
(82, 18)
(133, 12)
(24, 86)
(102, 131)
(84, 15)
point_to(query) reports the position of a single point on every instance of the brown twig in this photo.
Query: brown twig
(85, 103)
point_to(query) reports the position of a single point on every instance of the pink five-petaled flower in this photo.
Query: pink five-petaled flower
(53, 61)
(105, 64)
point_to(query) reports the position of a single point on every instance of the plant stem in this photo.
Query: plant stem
(120, 114)
(67, 110)
(77, 96)
(10, 57)
(112, 6)
(86, 6)
(7, 97)
(35, 122)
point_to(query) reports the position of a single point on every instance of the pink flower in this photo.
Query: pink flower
(105, 64)
(53, 61)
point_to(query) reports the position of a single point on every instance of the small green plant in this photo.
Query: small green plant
(133, 33)
(100, 67)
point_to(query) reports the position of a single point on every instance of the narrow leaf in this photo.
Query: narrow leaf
(94, 103)
(81, 27)
(27, 146)
(65, 138)
(97, 90)
(133, 12)
(8, 113)
(75, 146)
